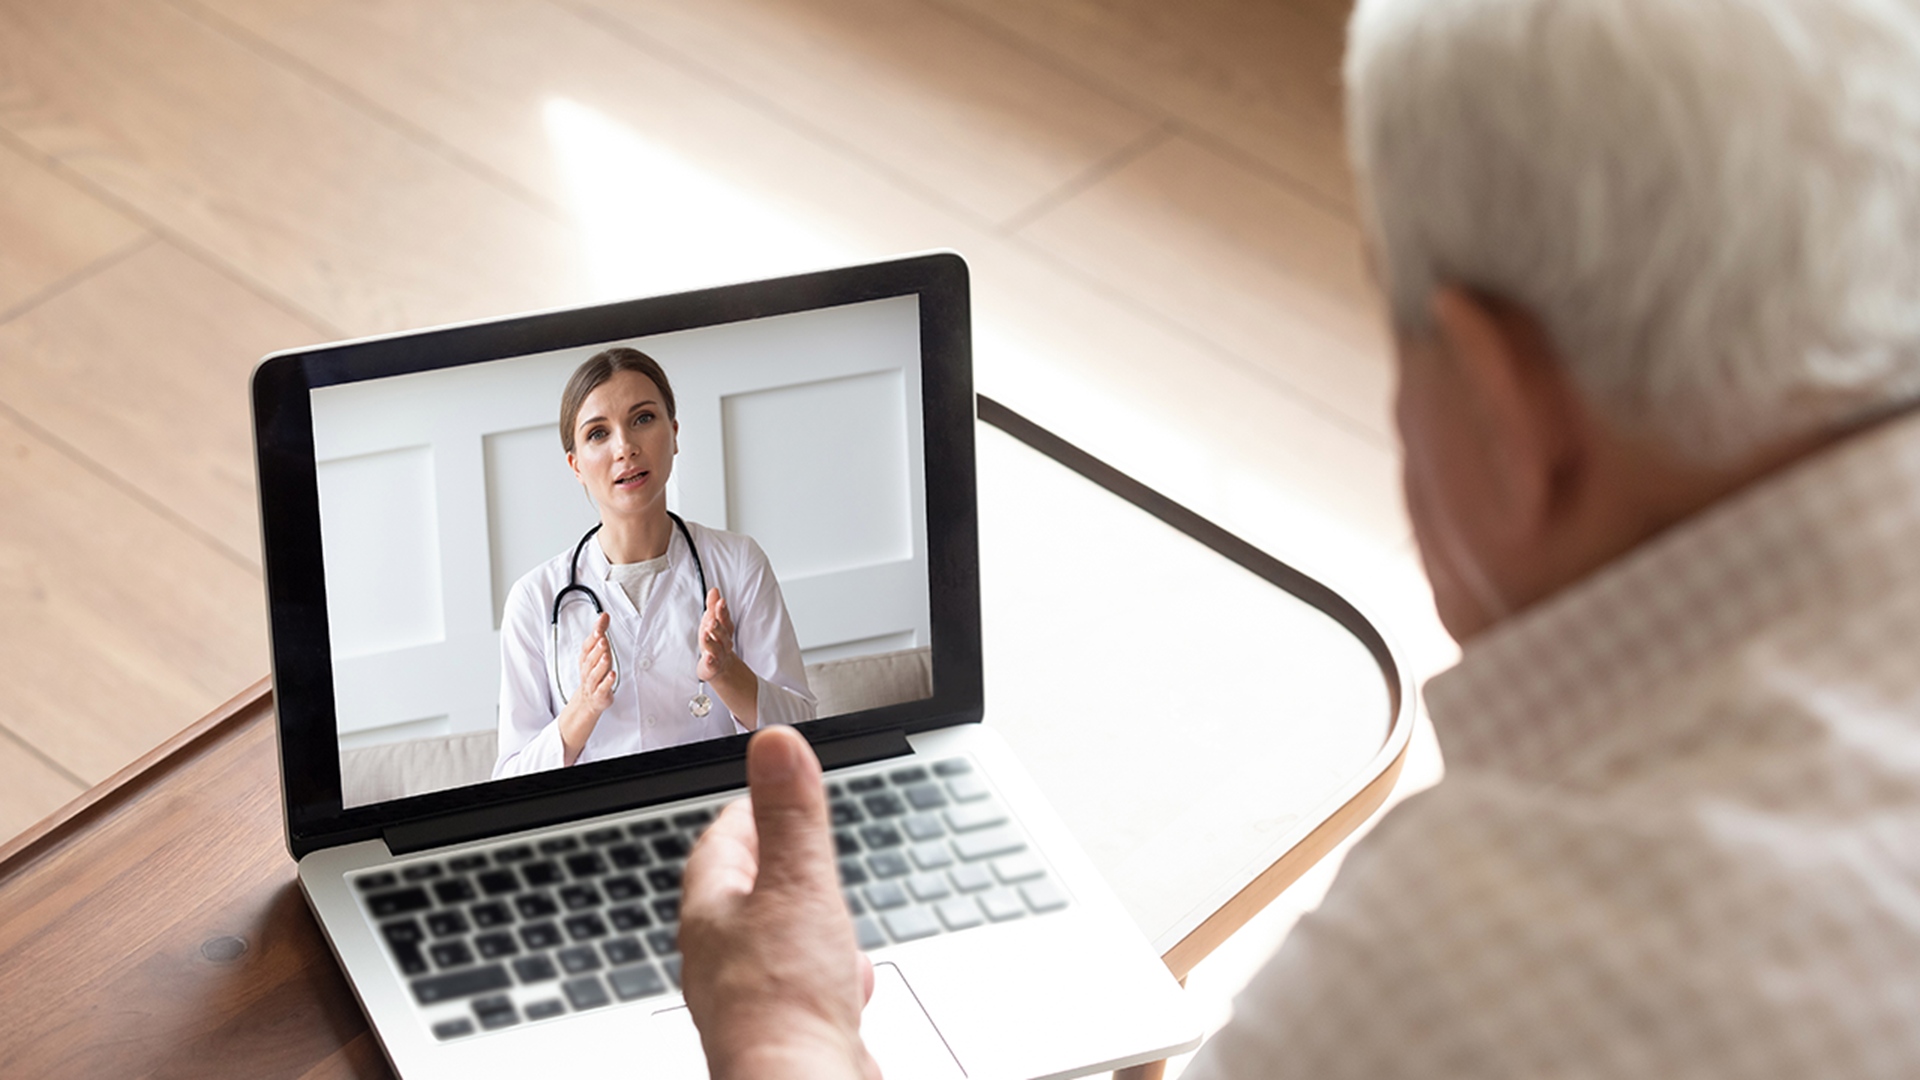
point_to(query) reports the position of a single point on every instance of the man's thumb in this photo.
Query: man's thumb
(789, 805)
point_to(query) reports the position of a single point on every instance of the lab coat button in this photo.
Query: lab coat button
(649, 721)
(646, 663)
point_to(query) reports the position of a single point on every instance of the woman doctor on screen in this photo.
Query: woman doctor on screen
(639, 652)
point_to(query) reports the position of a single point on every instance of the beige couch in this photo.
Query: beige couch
(378, 773)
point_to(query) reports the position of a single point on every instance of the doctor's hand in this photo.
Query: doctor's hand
(771, 974)
(721, 668)
(595, 694)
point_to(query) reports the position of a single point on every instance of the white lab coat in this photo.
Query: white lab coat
(656, 650)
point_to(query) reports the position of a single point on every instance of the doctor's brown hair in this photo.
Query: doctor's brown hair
(598, 368)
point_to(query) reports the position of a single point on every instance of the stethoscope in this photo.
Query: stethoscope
(699, 704)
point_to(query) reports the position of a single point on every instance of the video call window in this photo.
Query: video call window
(441, 490)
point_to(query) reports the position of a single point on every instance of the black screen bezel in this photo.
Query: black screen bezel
(295, 579)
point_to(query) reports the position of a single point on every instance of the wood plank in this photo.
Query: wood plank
(351, 220)
(53, 230)
(33, 789)
(144, 370)
(1263, 78)
(931, 97)
(121, 627)
(125, 925)
(1241, 262)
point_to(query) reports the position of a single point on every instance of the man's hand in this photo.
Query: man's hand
(770, 971)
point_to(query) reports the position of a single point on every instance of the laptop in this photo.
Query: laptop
(497, 912)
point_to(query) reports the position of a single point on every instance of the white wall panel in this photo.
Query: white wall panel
(818, 471)
(381, 538)
(535, 507)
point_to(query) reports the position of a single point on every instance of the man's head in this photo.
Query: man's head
(1638, 252)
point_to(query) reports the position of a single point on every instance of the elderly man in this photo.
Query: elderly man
(1654, 270)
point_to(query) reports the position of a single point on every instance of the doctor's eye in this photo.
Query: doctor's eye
(645, 416)
(595, 434)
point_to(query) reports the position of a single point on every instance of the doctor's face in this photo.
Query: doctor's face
(623, 444)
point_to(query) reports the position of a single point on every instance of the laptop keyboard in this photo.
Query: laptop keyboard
(528, 931)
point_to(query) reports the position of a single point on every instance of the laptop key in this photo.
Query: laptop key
(852, 873)
(499, 882)
(533, 969)
(911, 924)
(631, 917)
(650, 827)
(671, 848)
(926, 797)
(558, 844)
(988, 843)
(637, 982)
(587, 864)
(844, 843)
(540, 936)
(422, 872)
(888, 864)
(541, 873)
(952, 767)
(451, 954)
(881, 836)
(536, 906)
(886, 895)
(452, 1029)
(586, 927)
(967, 788)
(664, 879)
(602, 837)
(624, 950)
(541, 1010)
(576, 897)
(979, 815)
(578, 959)
(671, 965)
(496, 1012)
(585, 992)
(667, 909)
(492, 913)
(496, 945)
(882, 804)
(958, 913)
(844, 812)
(970, 878)
(664, 942)
(455, 891)
(922, 827)
(369, 882)
(860, 784)
(447, 923)
(1020, 867)
(694, 820)
(1043, 896)
(928, 887)
(934, 856)
(466, 864)
(399, 902)
(516, 853)
(867, 933)
(460, 984)
(409, 957)
(854, 904)
(913, 774)
(626, 887)
(628, 856)
(1001, 905)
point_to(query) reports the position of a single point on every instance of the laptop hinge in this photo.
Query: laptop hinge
(560, 807)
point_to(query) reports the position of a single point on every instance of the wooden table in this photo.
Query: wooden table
(153, 927)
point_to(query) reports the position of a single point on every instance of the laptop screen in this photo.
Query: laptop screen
(482, 642)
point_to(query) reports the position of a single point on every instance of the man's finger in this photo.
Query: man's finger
(724, 863)
(790, 810)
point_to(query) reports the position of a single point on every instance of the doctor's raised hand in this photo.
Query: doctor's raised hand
(721, 668)
(595, 695)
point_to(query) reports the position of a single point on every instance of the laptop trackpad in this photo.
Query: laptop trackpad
(895, 1028)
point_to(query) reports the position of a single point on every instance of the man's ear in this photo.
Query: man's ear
(1525, 411)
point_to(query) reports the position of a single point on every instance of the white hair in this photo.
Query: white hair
(1713, 206)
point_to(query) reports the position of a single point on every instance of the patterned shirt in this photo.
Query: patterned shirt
(1679, 834)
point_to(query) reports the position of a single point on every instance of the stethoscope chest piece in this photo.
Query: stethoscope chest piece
(700, 704)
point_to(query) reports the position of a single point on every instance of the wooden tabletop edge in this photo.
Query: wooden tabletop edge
(1261, 891)
(101, 797)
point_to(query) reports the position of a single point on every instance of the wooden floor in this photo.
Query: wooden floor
(1153, 198)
